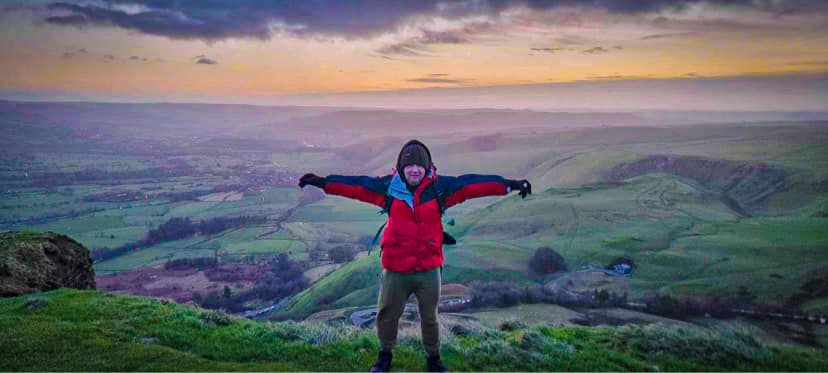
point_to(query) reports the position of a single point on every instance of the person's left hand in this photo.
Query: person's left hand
(523, 186)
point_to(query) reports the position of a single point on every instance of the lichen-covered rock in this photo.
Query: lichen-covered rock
(32, 262)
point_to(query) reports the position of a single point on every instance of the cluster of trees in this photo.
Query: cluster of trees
(187, 263)
(336, 254)
(506, 294)
(176, 229)
(284, 279)
(51, 179)
(546, 261)
(674, 307)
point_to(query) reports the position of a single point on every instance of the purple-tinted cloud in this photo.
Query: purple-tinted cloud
(260, 19)
(70, 54)
(439, 78)
(666, 35)
(417, 44)
(546, 49)
(595, 50)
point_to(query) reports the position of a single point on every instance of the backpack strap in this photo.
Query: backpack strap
(441, 202)
(441, 199)
(386, 209)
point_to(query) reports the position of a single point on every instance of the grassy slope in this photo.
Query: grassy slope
(684, 242)
(355, 283)
(90, 330)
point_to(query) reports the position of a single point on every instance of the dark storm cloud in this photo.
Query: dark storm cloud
(70, 20)
(260, 19)
(206, 61)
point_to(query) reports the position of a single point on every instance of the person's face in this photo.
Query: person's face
(414, 174)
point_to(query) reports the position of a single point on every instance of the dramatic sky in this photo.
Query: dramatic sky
(603, 54)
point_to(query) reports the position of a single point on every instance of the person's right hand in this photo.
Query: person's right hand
(312, 179)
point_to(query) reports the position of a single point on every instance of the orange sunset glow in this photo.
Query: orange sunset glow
(72, 50)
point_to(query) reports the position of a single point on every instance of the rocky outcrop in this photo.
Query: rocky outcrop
(32, 262)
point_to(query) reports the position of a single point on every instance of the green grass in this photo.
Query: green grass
(336, 289)
(112, 237)
(186, 248)
(528, 314)
(263, 246)
(817, 306)
(682, 241)
(91, 331)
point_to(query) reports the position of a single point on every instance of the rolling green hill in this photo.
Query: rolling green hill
(88, 330)
(684, 240)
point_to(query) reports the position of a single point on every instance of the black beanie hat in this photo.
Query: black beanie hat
(414, 152)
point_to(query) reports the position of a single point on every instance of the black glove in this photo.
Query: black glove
(312, 179)
(522, 185)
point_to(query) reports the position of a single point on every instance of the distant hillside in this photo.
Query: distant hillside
(71, 329)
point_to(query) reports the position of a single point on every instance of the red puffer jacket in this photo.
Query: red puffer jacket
(413, 238)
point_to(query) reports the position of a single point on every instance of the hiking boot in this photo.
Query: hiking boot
(434, 364)
(383, 363)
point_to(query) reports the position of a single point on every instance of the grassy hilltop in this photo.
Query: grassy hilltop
(70, 329)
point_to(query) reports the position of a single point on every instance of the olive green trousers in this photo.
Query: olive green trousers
(395, 289)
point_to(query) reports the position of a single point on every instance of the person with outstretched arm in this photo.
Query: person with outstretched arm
(412, 243)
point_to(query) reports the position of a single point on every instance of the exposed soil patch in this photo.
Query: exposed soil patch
(180, 285)
(587, 282)
(453, 290)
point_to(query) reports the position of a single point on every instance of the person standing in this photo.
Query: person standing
(412, 243)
